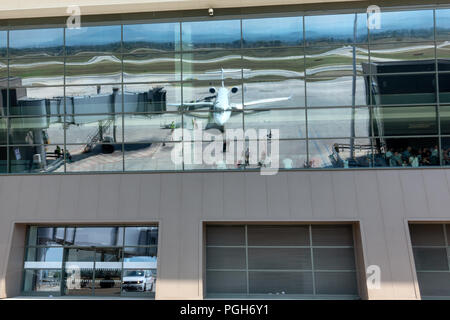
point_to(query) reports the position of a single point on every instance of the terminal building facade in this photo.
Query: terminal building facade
(94, 205)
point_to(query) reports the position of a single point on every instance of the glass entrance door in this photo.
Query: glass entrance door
(92, 271)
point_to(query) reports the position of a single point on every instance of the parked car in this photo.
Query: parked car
(138, 280)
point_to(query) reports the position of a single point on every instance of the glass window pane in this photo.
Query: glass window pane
(334, 259)
(108, 272)
(278, 235)
(37, 72)
(93, 69)
(433, 259)
(202, 95)
(272, 32)
(36, 42)
(151, 127)
(445, 152)
(336, 29)
(338, 91)
(342, 122)
(37, 101)
(4, 73)
(434, 283)
(152, 156)
(45, 254)
(332, 235)
(79, 271)
(152, 97)
(213, 123)
(404, 89)
(289, 123)
(141, 236)
(340, 153)
(442, 24)
(286, 258)
(204, 65)
(226, 282)
(106, 128)
(94, 236)
(3, 43)
(407, 152)
(151, 67)
(216, 154)
(86, 40)
(217, 34)
(273, 63)
(143, 38)
(427, 234)
(140, 258)
(3, 131)
(45, 236)
(98, 99)
(404, 121)
(443, 55)
(292, 154)
(336, 283)
(402, 57)
(274, 94)
(225, 258)
(404, 26)
(33, 130)
(444, 87)
(42, 281)
(44, 258)
(35, 159)
(280, 283)
(225, 235)
(332, 60)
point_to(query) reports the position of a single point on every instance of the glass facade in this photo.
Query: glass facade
(86, 261)
(108, 98)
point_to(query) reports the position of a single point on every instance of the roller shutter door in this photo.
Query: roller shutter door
(280, 260)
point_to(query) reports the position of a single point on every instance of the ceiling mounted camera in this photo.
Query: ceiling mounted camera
(211, 11)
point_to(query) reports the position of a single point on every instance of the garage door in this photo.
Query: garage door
(430, 245)
(280, 261)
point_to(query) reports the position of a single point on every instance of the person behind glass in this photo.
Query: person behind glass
(426, 155)
(445, 156)
(396, 160)
(406, 154)
(434, 158)
(58, 152)
(389, 155)
(414, 160)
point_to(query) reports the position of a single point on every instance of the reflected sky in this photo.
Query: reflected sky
(272, 31)
(334, 28)
(143, 35)
(36, 38)
(211, 34)
(405, 26)
(94, 36)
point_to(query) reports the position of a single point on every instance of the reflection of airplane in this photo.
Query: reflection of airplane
(220, 104)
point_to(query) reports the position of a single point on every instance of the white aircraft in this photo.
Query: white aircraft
(221, 106)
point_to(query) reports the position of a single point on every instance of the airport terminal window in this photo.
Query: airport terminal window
(108, 97)
(431, 247)
(276, 261)
(85, 261)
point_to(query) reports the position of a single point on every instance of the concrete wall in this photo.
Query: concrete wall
(12, 9)
(381, 201)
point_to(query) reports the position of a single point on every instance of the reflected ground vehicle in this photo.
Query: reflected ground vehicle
(137, 280)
